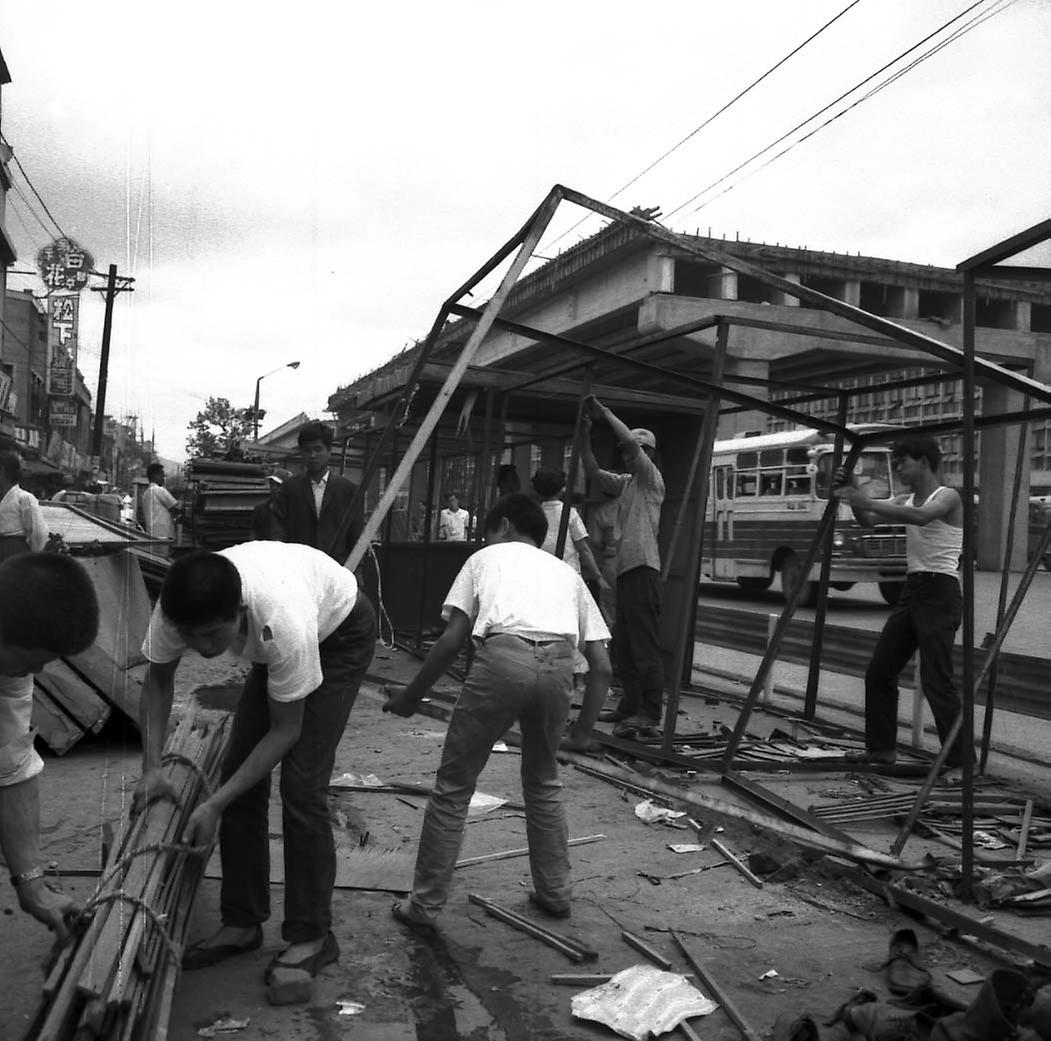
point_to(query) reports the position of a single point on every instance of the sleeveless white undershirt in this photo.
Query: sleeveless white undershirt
(935, 546)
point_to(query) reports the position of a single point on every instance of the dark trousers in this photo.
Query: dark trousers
(636, 643)
(925, 618)
(309, 848)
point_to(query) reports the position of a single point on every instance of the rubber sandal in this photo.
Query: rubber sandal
(198, 957)
(542, 905)
(312, 964)
(402, 911)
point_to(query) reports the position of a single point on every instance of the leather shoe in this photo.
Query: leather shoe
(613, 715)
(404, 912)
(312, 964)
(197, 956)
(906, 972)
(549, 909)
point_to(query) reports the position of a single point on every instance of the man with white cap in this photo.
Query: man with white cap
(636, 629)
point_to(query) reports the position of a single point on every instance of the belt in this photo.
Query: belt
(524, 639)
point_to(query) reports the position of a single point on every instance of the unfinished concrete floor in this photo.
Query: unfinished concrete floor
(480, 979)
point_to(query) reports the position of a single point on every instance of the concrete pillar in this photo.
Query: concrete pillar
(727, 284)
(903, 302)
(998, 452)
(852, 292)
(786, 299)
(753, 419)
(1021, 315)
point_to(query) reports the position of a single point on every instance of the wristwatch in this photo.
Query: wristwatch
(27, 876)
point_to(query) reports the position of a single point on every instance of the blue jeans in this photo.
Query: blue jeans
(309, 848)
(926, 618)
(509, 680)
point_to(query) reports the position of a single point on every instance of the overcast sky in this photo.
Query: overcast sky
(307, 182)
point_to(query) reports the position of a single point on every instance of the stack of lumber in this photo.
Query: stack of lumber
(224, 495)
(74, 696)
(116, 979)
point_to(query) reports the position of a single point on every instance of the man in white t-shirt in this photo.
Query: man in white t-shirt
(453, 522)
(527, 612)
(297, 615)
(159, 507)
(48, 609)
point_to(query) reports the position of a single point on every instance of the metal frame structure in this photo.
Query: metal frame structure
(710, 395)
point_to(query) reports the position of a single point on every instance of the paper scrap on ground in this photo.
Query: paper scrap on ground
(642, 1001)
(482, 803)
(769, 974)
(649, 813)
(353, 780)
(223, 1026)
(500, 746)
(349, 1008)
(685, 847)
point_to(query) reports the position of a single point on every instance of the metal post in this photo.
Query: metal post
(432, 472)
(1016, 489)
(701, 474)
(821, 608)
(100, 397)
(828, 518)
(965, 742)
(574, 465)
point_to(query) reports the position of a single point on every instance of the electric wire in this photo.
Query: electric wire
(961, 31)
(22, 170)
(825, 108)
(31, 209)
(715, 115)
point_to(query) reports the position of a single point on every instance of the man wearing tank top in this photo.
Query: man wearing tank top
(929, 611)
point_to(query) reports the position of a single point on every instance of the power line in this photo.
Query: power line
(30, 209)
(825, 108)
(22, 170)
(715, 115)
(957, 33)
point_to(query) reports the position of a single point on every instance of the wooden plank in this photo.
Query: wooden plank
(74, 695)
(717, 991)
(55, 727)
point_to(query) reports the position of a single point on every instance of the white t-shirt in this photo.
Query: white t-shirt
(157, 502)
(20, 514)
(575, 532)
(452, 525)
(18, 758)
(294, 597)
(514, 587)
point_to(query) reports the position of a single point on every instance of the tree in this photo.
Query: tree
(217, 428)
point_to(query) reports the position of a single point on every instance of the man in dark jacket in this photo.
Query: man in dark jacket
(313, 507)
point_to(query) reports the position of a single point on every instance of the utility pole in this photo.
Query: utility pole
(111, 289)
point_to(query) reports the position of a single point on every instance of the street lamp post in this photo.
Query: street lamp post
(255, 407)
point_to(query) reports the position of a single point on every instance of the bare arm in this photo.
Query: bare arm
(620, 429)
(599, 673)
(403, 700)
(158, 690)
(587, 453)
(945, 506)
(589, 569)
(33, 522)
(20, 843)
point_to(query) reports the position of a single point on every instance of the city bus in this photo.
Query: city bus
(765, 499)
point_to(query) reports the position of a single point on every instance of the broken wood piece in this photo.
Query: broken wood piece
(1023, 831)
(716, 991)
(508, 854)
(580, 979)
(564, 944)
(646, 950)
(688, 1032)
(737, 863)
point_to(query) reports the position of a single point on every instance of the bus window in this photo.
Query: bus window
(872, 472)
(747, 460)
(770, 483)
(797, 483)
(797, 455)
(771, 457)
(720, 483)
(747, 484)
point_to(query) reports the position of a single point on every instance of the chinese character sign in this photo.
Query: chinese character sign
(63, 313)
(65, 266)
(63, 413)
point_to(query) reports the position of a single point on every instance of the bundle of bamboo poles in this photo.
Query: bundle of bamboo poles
(116, 979)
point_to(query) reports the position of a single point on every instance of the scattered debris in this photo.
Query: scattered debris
(482, 803)
(645, 949)
(769, 974)
(349, 1008)
(225, 1025)
(685, 847)
(650, 813)
(642, 1001)
(571, 948)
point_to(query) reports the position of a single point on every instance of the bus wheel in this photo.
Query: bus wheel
(891, 591)
(792, 576)
(754, 585)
